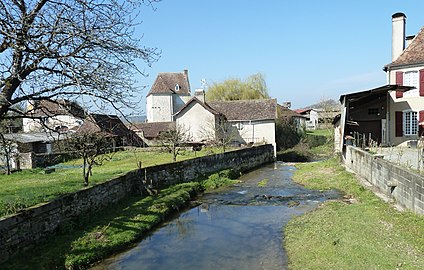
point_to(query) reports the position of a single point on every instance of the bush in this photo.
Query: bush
(287, 134)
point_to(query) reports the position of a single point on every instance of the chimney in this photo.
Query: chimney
(188, 81)
(398, 34)
(409, 40)
(200, 94)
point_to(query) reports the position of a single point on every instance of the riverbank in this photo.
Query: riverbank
(359, 232)
(91, 238)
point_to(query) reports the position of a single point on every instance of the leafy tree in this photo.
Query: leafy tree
(254, 87)
(173, 141)
(287, 133)
(69, 48)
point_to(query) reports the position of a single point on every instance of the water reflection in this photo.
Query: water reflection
(237, 228)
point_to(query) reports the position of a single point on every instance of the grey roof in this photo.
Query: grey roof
(35, 137)
(153, 129)
(382, 90)
(57, 107)
(413, 55)
(166, 81)
(247, 110)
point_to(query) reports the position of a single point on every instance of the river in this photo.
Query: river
(239, 227)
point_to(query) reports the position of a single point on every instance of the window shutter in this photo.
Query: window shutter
(421, 123)
(421, 84)
(399, 81)
(399, 124)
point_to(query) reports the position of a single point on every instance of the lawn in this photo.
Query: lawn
(30, 187)
(361, 232)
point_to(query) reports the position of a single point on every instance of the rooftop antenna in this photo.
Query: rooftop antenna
(203, 83)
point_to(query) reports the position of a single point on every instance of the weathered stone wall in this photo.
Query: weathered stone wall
(405, 186)
(29, 227)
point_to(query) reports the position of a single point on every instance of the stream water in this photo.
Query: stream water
(239, 227)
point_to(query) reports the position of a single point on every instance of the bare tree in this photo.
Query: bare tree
(173, 141)
(70, 49)
(7, 152)
(93, 147)
(220, 133)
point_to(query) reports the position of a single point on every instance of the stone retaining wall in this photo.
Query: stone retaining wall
(403, 185)
(31, 226)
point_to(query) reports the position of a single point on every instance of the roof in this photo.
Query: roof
(57, 107)
(152, 130)
(302, 111)
(413, 54)
(286, 112)
(34, 137)
(166, 82)
(204, 105)
(375, 91)
(247, 110)
(104, 123)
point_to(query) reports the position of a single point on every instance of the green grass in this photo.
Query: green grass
(30, 187)
(263, 182)
(222, 178)
(93, 237)
(365, 234)
(321, 132)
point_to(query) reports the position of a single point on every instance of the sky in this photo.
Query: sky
(308, 50)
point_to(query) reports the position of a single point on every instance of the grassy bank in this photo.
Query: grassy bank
(30, 187)
(81, 242)
(314, 145)
(360, 232)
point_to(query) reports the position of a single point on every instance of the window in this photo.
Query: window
(373, 111)
(410, 78)
(410, 123)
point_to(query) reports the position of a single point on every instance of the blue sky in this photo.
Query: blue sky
(308, 50)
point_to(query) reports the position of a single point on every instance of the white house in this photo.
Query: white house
(406, 69)
(58, 115)
(169, 100)
(168, 94)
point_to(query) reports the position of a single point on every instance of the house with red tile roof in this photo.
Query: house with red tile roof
(406, 69)
(394, 113)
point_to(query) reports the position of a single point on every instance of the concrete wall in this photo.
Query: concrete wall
(31, 226)
(406, 187)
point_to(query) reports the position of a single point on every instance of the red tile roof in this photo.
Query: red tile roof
(413, 55)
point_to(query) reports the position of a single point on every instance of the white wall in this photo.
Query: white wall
(198, 120)
(159, 108)
(257, 131)
(34, 125)
(415, 103)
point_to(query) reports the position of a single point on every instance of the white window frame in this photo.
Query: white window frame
(410, 123)
(411, 78)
